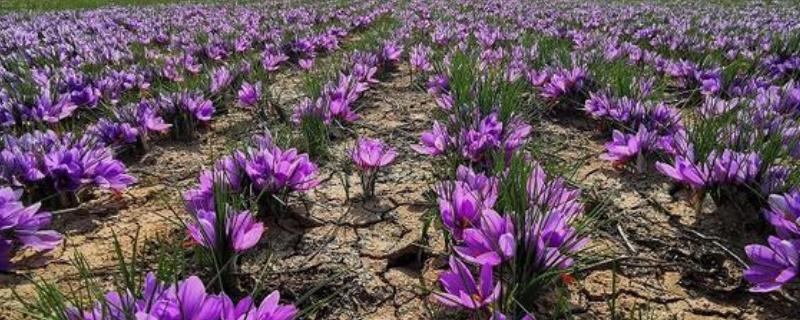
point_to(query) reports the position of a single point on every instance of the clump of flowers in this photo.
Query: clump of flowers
(626, 147)
(773, 266)
(536, 232)
(131, 124)
(187, 112)
(266, 174)
(657, 127)
(187, 299)
(370, 156)
(277, 172)
(22, 227)
(264, 170)
(44, 163)
(478, 141)
(563, 83)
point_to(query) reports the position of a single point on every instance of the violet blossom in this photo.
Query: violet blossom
(22, 227)
(370, 156)
(463, 291)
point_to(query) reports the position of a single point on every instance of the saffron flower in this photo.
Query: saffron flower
(277, 171)
(186, 300)
(51, 111)
(271, 309)
(476, 142)
(626, 147)
(434, 142)
(249, 94)
(490, 244)
(221, 78)
(46, 161)
(772, 266)
(462, 291)
(420, 58)
(369, 156)
(463, 202)
(391, 52)
(306, 64)
(372, 154)
(240, 228)
(784, 214)
(685, 170)
(21, 227)
(272, 58)
(113, 133)
(549, 233)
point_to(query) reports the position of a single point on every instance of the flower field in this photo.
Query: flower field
(401, 159)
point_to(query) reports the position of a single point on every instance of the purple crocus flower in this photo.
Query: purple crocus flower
(221, 78)
(733, 167)
(420, 58)
(434, 142)
(200, 108)
(372, 154)
(21, 227)
(64, 166)
(784, 214)
(516, 134)
(463, 202)
(52, 112)
(271, 309)
(369, 156)
(554, 240)
(391, 52)
(147, 117)
(274, 170)
(186, 300)
(564, 82)
(191, 65)
(598, 105)
(685, 170)
(499, 316)
(193, 301)
(242, 230)
(272, 58)
(86, 97)
(462, 291)
(341, 97)
(490, 244)
(772, 266)
(249, 94)
(553, 209)
(108, 173)
(710, 81)
(626, 147)
(306, 64)
(114, 133)
(476, 142)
